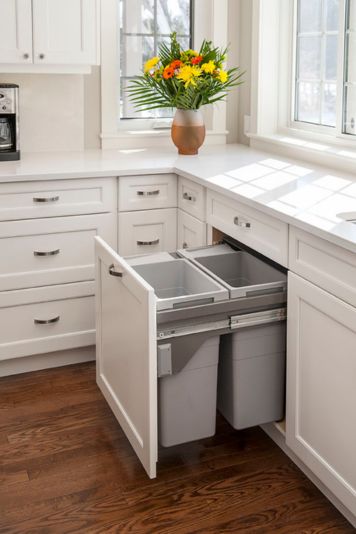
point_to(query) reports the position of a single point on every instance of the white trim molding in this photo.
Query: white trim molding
(210, 22)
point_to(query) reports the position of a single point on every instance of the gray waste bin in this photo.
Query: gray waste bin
(187, 400)
(187, 397)
(251, 383)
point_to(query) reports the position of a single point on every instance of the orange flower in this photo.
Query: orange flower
(168, 72)
(196, 60)
(176, 64)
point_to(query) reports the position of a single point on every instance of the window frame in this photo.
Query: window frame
(139, 123)
(274, 27)
(211, 22)
(332, 131)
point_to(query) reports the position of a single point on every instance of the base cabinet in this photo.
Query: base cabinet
(191, 231)
(321, 386)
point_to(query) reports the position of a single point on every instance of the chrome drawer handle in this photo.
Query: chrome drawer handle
(47, 252)
(112, 272)
(47, 321)
(147, 243)
(186, 196)
(46, 199)
(148, 193)
(242, 224)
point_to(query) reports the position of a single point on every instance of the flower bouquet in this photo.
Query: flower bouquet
(185, 80)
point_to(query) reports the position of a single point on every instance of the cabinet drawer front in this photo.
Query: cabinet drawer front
(327, 265)
(191, 231)
(56, 198)
(144, 232)
(263, 233)
(54, 251)
(191, 198)
(147, 192)
(35, 321)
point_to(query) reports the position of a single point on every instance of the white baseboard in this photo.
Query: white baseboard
(46, 361)
(279, 438)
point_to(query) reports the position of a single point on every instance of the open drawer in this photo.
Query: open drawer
(154, 314)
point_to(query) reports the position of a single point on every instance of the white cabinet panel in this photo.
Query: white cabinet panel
(325, 264)
(145, 232)
(321, 392)
(15, 31)
(46, 319)
(191, 231)
(191, 198)
(64, 32)
(55, 198)
(53, 251)
(127, 351)
(147, 192)
(259, 231)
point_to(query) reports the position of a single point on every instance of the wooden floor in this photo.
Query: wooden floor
(67, 467)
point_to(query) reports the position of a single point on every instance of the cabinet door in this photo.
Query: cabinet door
(321, 386)
(15, 31)
(145, 232)
(127, 351)
(191, 231)
(64, 32)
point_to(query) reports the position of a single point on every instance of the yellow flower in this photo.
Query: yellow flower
(150, 64)
(188, 73)
(191, 52)
(223, 76)
(209, 67)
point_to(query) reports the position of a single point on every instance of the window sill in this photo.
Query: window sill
(152, 138)
(333, 153)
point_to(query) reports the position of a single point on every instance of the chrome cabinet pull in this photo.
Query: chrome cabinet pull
(41, 56)
(185, 244)
(147, 243)
(46, 252)
(242, 224)
(186, 196)
(112, 272)
(46, 199)
(148, 193)
(26, 56)
(47, 321)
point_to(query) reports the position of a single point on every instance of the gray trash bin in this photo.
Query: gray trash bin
(251, 381)
(251, 384)
(186, 398)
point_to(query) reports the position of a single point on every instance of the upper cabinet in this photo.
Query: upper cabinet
(40, 34)
(16, 31)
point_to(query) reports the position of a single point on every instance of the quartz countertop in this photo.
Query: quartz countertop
(302, 194)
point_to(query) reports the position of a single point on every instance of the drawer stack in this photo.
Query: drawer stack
(191, 214)
(47, 262)
(147, 214)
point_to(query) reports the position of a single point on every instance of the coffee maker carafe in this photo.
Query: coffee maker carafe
(9, 122)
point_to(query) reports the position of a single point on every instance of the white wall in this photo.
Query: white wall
(58, 111)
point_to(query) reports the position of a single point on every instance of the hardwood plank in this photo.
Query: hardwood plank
(66, 466)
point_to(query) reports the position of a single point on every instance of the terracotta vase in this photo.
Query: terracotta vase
(188, 131)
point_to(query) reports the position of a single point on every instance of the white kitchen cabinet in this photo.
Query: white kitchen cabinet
(16, 31)
(47, 33)
(252, 227)
(144, 232)
(321, 386)
(192, 198)
(191, 231)
(64, 32)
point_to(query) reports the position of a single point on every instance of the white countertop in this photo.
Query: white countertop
(301, 194)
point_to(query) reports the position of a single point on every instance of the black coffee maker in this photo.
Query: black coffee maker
(9, 122)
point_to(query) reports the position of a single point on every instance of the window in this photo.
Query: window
(144, 24)
(323, 28)
(349, 114)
